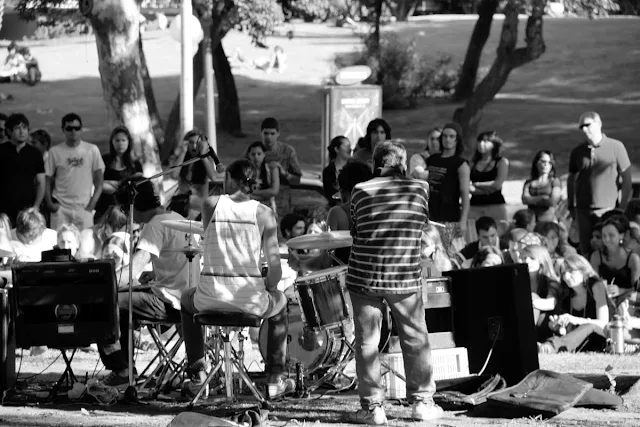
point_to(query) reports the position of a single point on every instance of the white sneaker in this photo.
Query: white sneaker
(281, 388)
(426, 410)
(373, 417)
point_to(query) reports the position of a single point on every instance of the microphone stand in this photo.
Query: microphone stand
(131, 393)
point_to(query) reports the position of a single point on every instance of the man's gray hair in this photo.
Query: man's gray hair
(591, 115)
(389, 154)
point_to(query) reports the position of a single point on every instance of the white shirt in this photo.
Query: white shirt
(72, 171)
(171, 268)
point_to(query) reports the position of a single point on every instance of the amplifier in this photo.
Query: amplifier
(7, 342)
(65, 304)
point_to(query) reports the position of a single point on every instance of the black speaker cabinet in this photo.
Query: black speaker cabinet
(7, 342)
(65, 304)
(494, 303)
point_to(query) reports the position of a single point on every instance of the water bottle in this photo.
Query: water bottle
(616, 333)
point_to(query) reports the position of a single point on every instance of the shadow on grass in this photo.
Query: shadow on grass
(525, 125)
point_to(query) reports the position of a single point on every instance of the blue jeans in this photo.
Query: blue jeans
(409, 316)
(277, 330)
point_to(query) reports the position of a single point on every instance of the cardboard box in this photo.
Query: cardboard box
(448, 363)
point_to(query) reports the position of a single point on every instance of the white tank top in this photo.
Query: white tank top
(231, 278)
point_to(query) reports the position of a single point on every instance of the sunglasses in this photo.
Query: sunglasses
(72, 128)
(585, 125)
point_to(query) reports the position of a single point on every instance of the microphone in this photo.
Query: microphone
(212, 153)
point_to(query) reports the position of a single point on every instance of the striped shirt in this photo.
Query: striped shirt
(389, 213)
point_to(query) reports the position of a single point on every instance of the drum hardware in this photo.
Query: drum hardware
(185, 225)
(326, 240)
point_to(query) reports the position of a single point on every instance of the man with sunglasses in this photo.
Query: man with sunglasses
(74, 169)
(595, 168)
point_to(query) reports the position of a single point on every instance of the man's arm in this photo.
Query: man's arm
(140, 260)
(626, 188)
(41, 183)
(571, 182)
(294, 174)
(48, 198)
(270, 246)
(463, 177)
(98, 179)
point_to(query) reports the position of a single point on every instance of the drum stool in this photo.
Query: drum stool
(167, 369)
(222, 324)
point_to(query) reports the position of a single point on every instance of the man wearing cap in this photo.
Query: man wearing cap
(595, 168)
(170, 275)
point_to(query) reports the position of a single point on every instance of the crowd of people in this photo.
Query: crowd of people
(409, 218)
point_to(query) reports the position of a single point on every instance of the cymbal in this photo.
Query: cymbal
(325, 240)
(192, 227)
(187, 250)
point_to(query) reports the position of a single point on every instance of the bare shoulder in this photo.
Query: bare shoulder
(211, 201)
(265, 215)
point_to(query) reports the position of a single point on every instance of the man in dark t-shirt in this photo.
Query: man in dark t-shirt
(22, 178)
(487, 230)
(595, 168)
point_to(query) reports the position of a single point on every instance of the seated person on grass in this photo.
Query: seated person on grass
(487, 230)
(582, 312)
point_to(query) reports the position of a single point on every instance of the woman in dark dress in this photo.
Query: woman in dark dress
(449, 180)
(119, 165)
(489, 171)
(339, 154)
(619, 267)
(542, 191)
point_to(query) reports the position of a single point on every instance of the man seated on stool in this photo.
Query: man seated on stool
(170, 272)
(236, 230)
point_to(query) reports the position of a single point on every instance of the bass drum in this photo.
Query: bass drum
(326, 351)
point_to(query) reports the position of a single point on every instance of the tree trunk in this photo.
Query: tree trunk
(374, 48)
(228, 102)
(154, 114)
(479, 37)
(218, 29)
(508, 58)
(404, 9)
(121, 65)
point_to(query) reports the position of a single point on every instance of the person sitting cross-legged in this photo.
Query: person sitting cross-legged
(237, 229)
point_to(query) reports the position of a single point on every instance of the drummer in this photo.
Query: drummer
(237, 229)
(170, 274)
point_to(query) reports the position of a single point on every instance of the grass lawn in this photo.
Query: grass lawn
(589, 65)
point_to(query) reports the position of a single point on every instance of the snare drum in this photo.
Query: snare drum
(328, 349)
(321, 298)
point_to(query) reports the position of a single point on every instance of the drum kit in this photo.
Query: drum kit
(321, 339)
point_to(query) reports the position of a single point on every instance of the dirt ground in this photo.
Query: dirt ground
(39, 373)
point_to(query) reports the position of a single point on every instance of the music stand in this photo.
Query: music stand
(131, 393)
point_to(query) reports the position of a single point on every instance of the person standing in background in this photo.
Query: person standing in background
(595, 168)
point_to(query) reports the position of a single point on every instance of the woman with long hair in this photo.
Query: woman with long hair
(616, 264)
(489, 171)
(339, 154)
(268, 181)
(378, 131)
(434, 255)
(543, 190)
(555, 241)
(583, 309)
(545, 285)
(449, 180)
(418, 162)
(119, 164)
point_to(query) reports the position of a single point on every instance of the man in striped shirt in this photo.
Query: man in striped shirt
(388, 215)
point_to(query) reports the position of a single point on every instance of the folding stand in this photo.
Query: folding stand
(67, 376)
